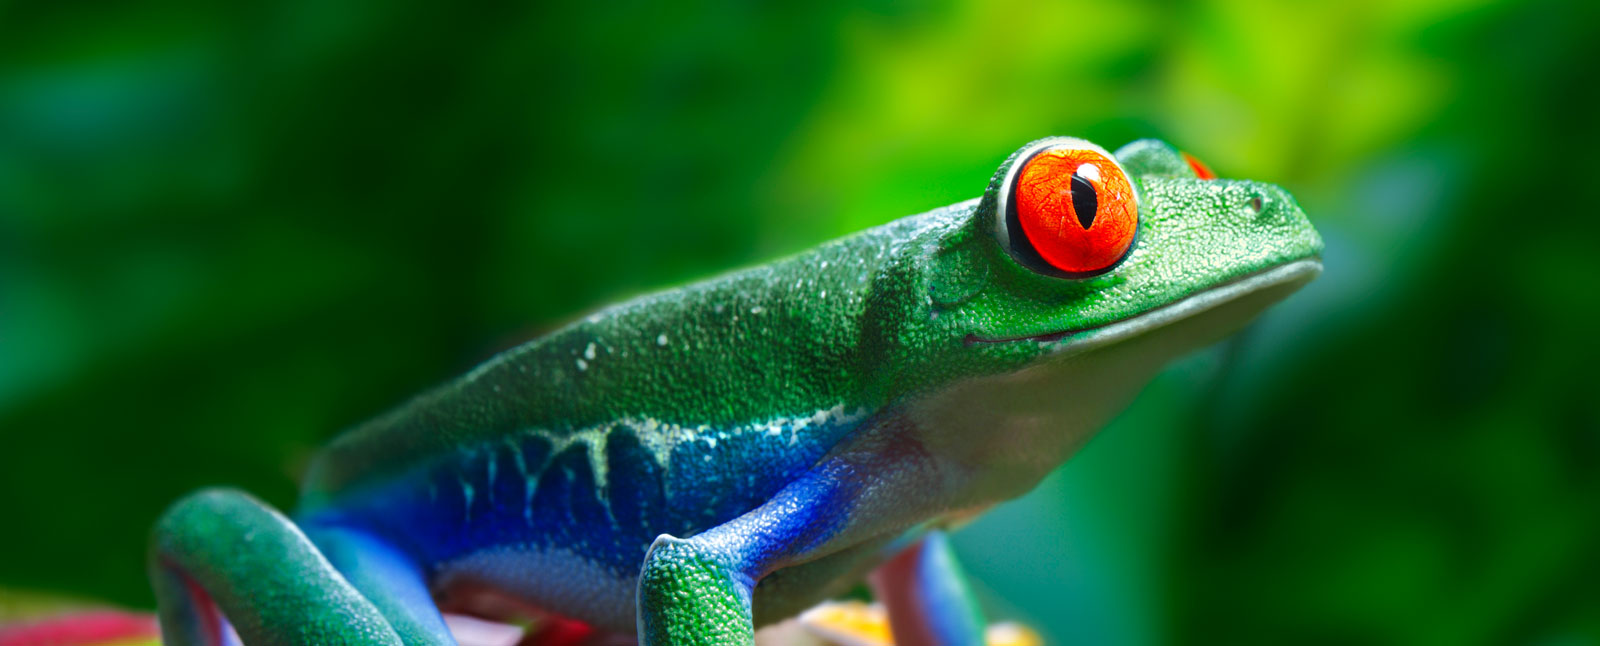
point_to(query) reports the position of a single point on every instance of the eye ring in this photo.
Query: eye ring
(1075, 248)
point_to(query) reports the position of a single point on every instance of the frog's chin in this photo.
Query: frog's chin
(1205, 316)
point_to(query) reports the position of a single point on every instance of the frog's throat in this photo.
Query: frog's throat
(1277, 282)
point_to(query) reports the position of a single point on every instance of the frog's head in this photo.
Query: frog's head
(1072, 247)
(1079, 273)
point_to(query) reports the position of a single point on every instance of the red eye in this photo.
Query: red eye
(1203, 171)
(1077, 210)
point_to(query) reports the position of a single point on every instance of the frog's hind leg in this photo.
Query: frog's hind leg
(222, 550)
(388, 578)
(927, 596)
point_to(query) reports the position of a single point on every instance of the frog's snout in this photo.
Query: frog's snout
(1273, 205)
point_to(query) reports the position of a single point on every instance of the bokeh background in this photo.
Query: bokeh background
(227, 232)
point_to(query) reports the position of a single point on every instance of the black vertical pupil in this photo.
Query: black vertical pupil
(1084, 201)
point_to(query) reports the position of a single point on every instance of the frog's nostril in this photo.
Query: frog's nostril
(1256, 204)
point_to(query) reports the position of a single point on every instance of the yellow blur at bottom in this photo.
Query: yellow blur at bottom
(853, 623)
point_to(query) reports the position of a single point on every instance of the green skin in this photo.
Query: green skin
(935, 373)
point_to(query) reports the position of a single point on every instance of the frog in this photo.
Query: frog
(689, 465)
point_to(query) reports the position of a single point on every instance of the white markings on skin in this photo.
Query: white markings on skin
(661, 340)
(657, 438)
(583, 365)
(466, 495)
(588, 352)
(532, 480)
(595, 440)
(601, 467)
(528, 484)
(491, 469)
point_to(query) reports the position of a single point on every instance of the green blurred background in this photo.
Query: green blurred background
(228, 232)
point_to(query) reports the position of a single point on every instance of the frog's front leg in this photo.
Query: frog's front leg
(697, 591)
(222, 550)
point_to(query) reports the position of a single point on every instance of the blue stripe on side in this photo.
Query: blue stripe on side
(533, 490)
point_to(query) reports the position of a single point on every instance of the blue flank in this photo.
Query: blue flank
(478, 497)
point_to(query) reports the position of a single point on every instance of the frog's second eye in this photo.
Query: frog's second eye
(1076, 211)
(1201, 170)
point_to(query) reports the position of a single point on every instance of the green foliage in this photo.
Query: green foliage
(227, 232)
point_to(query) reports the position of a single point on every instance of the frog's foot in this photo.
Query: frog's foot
(692, 593)
(854, 623)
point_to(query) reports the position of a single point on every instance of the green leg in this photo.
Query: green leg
(221, 550)
(697, 592)
(927, 596)
(692, 593)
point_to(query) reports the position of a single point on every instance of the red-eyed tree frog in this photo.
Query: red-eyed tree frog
(692, 464)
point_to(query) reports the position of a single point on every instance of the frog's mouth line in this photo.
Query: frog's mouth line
(1296, 273)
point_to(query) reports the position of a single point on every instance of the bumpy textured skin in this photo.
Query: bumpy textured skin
(272, 583)
(694, 463)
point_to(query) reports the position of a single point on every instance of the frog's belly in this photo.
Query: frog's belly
(565, 583)
(553, 579)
